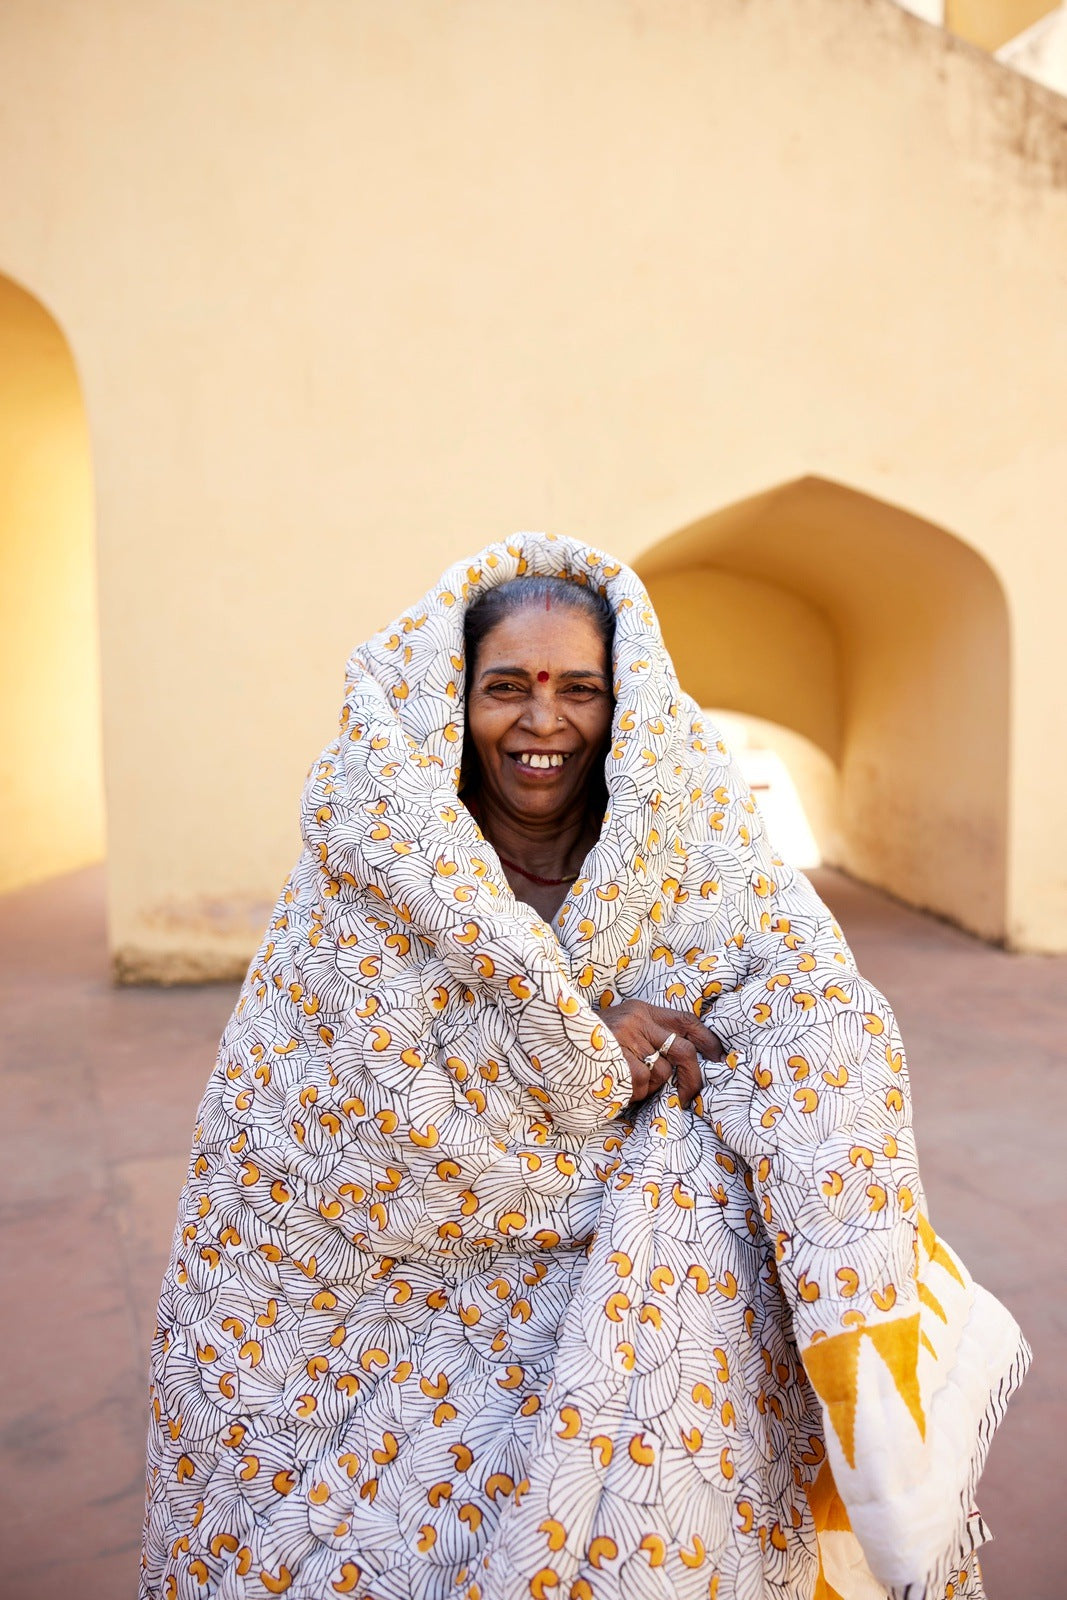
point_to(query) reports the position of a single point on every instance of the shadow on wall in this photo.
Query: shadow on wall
(51, 787)
(884, 641)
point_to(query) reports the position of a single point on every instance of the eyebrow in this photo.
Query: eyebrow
(523, 672)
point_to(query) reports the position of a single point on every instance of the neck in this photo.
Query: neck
(551, 848)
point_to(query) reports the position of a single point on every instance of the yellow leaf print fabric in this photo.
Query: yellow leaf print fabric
(444, 1320)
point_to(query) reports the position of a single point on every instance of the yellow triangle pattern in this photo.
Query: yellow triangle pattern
(897, 1343)
(829, 1516)
(936, 1250)
(833, 1366)
(827, 1507)
(930, 1299)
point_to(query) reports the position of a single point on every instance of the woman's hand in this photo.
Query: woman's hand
(642, 1029)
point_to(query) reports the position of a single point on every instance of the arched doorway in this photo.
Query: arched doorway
(51, 791)
(796, 783)
(883, 640)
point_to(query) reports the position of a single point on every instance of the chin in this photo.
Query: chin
(538, 805)
(536, 802)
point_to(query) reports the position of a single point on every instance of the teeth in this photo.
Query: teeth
(533, 758)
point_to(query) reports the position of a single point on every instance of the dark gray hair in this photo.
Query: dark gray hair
(518, 593)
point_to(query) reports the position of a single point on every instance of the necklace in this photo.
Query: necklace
(531, 877)
(546, 883)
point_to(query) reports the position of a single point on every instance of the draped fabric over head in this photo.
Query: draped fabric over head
(440, 1321)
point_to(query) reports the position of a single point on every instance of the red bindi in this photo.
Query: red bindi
(542, 677)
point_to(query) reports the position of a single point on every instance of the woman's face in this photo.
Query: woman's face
(539, 711)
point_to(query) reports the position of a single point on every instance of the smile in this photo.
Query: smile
(540, 759)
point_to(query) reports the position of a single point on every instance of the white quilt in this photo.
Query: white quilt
(442, 1320)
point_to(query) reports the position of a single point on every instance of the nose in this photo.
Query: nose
(540, 717)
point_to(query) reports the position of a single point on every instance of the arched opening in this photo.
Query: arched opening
(883, 640)
(51, 790)
(796, 784)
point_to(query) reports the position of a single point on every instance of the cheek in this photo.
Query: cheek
(595, 726)
(485, 726)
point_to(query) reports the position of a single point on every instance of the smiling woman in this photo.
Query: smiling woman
(468, 1299)
(539, 707)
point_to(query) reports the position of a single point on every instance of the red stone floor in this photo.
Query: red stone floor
(100, 1088)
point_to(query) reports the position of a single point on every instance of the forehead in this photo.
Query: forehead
(534, 637)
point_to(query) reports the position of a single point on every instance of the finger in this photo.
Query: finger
(686, 1065)
(636, 1027)
(661, 1073)
(684, 1054)
(688, 1081)
(654, 1075)
(703, 1040)
(639, 1076)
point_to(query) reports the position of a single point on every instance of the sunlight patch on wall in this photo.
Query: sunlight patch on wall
(51, 783)
(794, 783)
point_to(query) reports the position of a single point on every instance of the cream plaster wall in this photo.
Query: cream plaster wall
(51, 789)
(355, 288)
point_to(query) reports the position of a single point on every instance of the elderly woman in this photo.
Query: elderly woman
(553, 1226)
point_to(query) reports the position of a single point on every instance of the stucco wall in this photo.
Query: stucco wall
(51, 790)
(355, 288)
